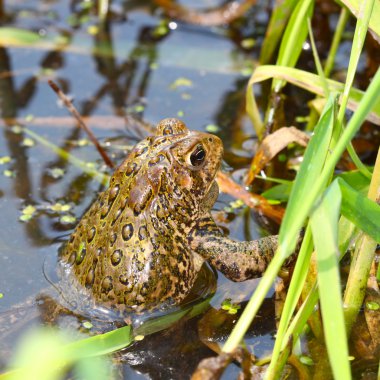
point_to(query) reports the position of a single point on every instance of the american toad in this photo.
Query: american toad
(145, 238)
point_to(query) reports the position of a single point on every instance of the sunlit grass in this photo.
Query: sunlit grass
(309, 198)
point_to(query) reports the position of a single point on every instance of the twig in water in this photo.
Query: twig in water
(75, 113)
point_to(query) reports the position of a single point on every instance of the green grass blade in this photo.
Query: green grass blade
(45, 352)
(315, 155)
(294, 331)
(357, 46)
(310, 82)
(294, 292)
(360, 210)
(370, 98)
(374, 25)
(252, 109)
(277, 24)
(279, 192)
(294, 38)
(343, 18)
(316, 150)
(324, 224)
(364, 16)
(317, 61)
(18, 37)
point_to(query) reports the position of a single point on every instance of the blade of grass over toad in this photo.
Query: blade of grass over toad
(311, 167)
(64, 355)
(277, 23)
(103, 344)
(312, 83)
(102, 178)
(294, 38)
(324, 225)
(357, 46)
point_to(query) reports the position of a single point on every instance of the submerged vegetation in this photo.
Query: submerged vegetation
(334, 197)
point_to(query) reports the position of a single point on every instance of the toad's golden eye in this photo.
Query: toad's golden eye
(198, 156)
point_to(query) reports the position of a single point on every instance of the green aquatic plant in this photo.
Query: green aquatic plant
(325, 206)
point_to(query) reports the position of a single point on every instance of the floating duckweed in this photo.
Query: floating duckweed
(180, 113)
(17, 129)
(29, 118)
(248, 43)
(371, 305)
(56, 173)
(181, 82)
(236, 204)
(82, 142)
(28, 210)
(60, 207)
(27, 213)
(139, 337)
(28, 142)
(46, 71)
(92, 30)
(186, 96)
(25, 217)
(1, 295)
(139, 108)
(9, 173)
(87, 325)
(153, 66)
(306, 360)
(212, 128)
(4, 160)
(67, 219)
(231, 308)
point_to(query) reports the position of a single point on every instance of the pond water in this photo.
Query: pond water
(194, 73)
(140, 66)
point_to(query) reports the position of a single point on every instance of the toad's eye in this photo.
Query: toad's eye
(198, 156)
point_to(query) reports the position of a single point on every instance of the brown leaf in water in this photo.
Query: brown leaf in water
(229, 186)
(213, 368)
(271, 145)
